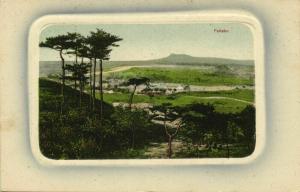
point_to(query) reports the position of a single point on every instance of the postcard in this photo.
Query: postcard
(117, 98)
(147, 90)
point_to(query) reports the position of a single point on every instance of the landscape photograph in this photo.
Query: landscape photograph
(146, 91)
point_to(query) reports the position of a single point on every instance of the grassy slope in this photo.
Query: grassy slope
(72, 136)
(184, 76)
(50, 97)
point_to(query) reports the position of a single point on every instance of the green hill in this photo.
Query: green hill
(187, 59)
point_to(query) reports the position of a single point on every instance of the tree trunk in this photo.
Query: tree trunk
(170, 136)
(63, 81)
(76, 62)
(227, 146)
(132, 127)
(133, 137)
(131, 96)
(170, 146)
(94, 84)
(81, 83)
(80, 93)
(169, 150)
(76, 57)
(101, 92)
(91, 87)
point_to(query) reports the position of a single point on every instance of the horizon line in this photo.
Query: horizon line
(168, 56)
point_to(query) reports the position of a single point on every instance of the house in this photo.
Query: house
(108, 91)
(179, 89)
(114, 83)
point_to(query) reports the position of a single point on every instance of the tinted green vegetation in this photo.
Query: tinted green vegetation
(242, 94)
(77, 134)
(222, 100)
(184, 76)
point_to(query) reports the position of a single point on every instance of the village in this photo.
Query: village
(160, 88)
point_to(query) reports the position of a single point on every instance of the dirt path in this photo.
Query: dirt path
(124, 68)
(118, 69)
(159, 150)
(227, 98)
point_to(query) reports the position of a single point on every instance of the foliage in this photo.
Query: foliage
(78, 134)
(221, 104)
(136, 82)
(98, 46)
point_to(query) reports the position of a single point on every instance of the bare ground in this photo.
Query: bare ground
(159, 150)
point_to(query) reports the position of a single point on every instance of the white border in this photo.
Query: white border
(148, 18)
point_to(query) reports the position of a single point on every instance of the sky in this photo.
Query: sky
(153, 41)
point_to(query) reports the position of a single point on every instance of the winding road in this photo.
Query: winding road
(228, 98)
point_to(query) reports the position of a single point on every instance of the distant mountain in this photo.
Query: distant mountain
(50, 67)
(187, 59)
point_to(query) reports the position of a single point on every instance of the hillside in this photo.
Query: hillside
(187, 59)
(50, 98)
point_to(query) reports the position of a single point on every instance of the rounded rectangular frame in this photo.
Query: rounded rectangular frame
(148, 18)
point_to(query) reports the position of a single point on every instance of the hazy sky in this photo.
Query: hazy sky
(152, 41)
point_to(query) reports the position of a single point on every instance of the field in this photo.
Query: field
(224, 101)
(230, 95)
(185, 76)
